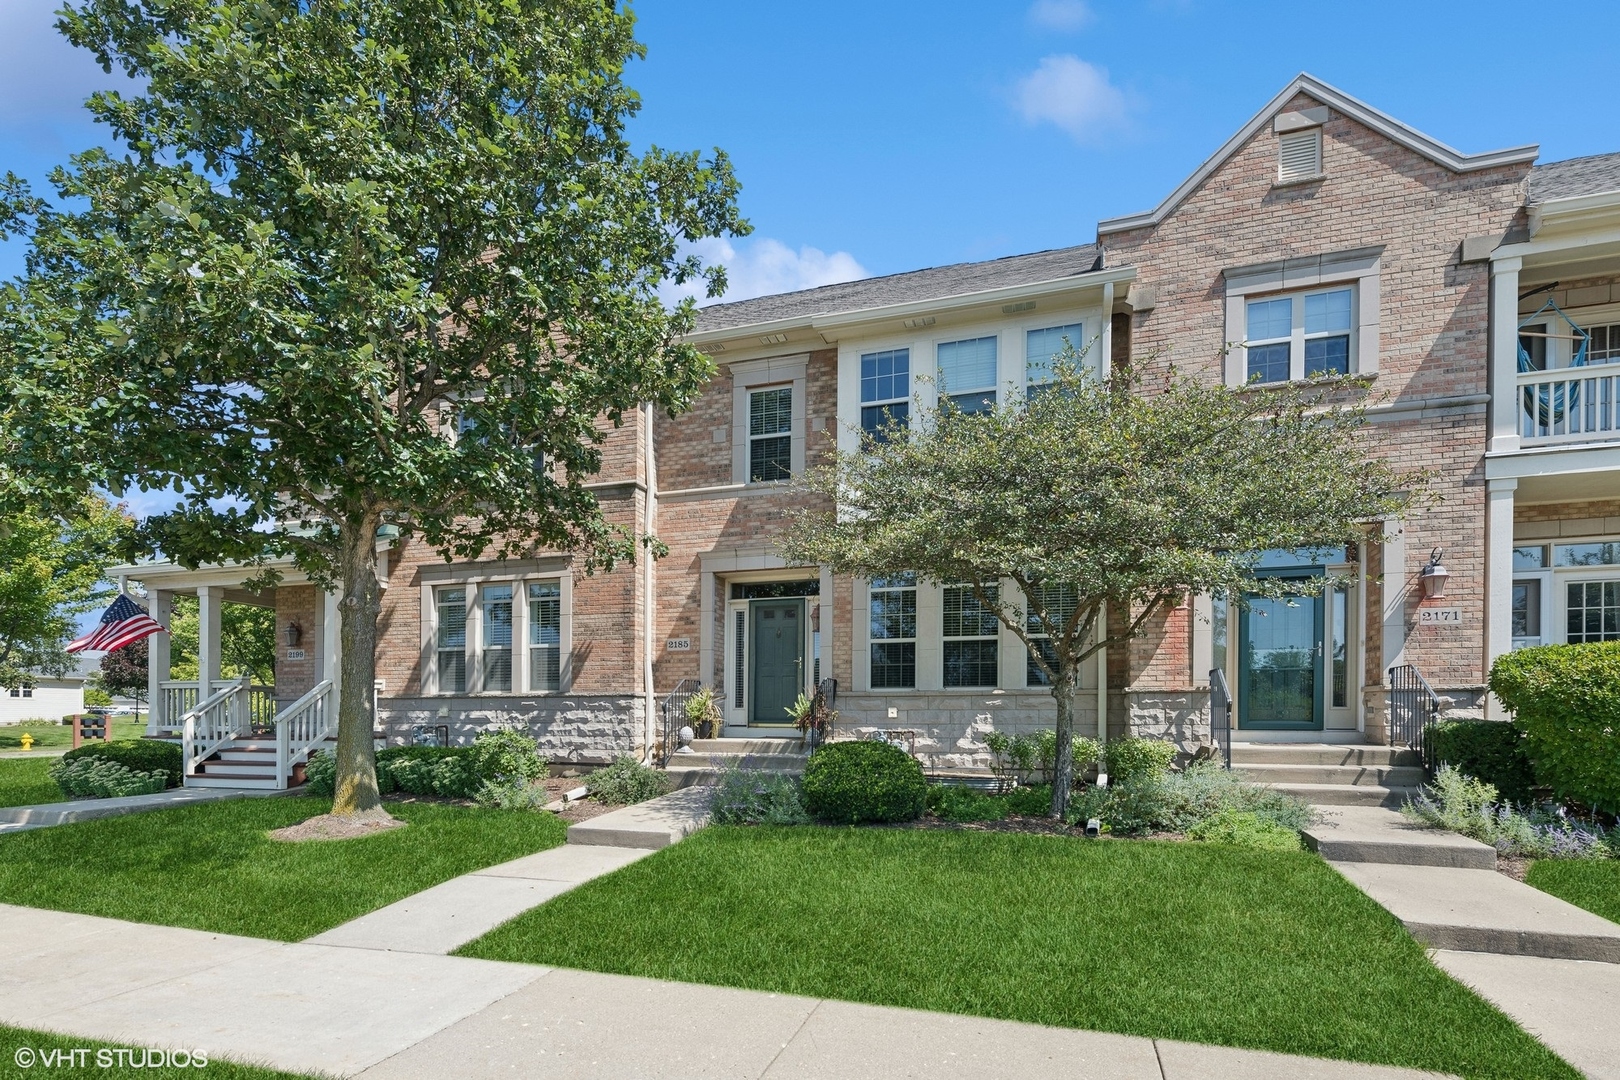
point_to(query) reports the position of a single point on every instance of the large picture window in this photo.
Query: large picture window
(770, 434)
(1300, 336)
(545, 636)
(894, 632)
(885, 391)
(452, 639)
(971, 638)
(967, 373)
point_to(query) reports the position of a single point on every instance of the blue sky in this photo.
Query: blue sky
(879, 136)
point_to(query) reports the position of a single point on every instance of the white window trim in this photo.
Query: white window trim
(999, 637)
(518, 579)
(1358, 268)
(750, 375)
(733, 714)
(1298, 336)
(1560, 578)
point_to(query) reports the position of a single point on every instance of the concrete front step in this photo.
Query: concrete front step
(793, 747)
(1322, 754)
(1337, 775)
(1349, 795)
(1373, 834)
(219, 780)
(1484, 911)
(656, 823)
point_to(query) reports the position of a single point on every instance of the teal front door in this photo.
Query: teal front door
(776, 659)
(1280, 673)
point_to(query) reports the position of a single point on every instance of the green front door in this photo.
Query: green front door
(1280, 674)
(776, 659)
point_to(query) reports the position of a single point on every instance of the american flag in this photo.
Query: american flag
(122, 623)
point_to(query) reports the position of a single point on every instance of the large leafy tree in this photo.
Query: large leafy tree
(51, 571)
(360, 262)
(247, 641)
(1101, 505)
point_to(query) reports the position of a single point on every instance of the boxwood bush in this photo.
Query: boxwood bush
(137, 755)
(850, 782)
(455, 772)
(1487, 750)
(1131, 759)
(1566, 700)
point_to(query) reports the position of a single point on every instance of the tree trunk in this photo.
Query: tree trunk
(1063, 691)
(361, 604)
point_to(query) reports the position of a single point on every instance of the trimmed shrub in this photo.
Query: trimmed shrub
(1487, 750)
(1131, 759)
(507, 754)
(627, 781)
(320, 774)
(851, 782)
(953, 802)
(414, 775)
(102, 777)
(1566, 700)
(1033, 801)
(137, 755)
(1245, 828)
(456, 777)
(747, 796)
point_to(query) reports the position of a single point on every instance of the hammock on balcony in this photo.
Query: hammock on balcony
(1548, 405)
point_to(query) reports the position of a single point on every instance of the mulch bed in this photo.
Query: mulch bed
(338, 827)
(1030, 826)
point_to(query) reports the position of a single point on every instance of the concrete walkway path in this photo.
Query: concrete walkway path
(45, 815)
(392, 1015)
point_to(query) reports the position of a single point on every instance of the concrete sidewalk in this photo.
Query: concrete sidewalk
(391, 1015)
(45, 815)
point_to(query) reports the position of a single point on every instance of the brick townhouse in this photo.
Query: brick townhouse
(1479, 294)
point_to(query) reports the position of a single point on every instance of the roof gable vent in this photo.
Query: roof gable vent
(1299, 155)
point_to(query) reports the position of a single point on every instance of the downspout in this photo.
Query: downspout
(649, 581)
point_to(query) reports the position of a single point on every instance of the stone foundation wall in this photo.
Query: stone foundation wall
(573, 728)
(950, 727)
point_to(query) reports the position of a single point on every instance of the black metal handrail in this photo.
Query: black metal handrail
(672, 712)
(826, 709)
(1220, 715)
(1414, 708)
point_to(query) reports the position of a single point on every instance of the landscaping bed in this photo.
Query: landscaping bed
(214, 867)
(1201, 942)
(26, 781)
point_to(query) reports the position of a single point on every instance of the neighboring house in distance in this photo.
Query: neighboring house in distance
(48, 698)
(1479, 293)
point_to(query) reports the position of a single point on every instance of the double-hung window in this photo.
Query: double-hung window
(545, 635)
(770, 434)
(971, 639)
(1043, 347)
(1591, 607)
(894, 632)
(496, 601)
(1059, 601)
(452, 639)
(967, 373)
(1300, 336)
(885, 391)
(22, 691)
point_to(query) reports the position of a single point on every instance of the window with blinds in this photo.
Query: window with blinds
(1299, 155)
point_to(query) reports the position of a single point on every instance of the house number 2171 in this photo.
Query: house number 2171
(1440, 616)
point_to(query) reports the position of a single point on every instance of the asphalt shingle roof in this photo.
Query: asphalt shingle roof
(931, 284)
(1576, 176)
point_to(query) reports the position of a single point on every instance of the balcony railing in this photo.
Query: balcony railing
(1577, 404)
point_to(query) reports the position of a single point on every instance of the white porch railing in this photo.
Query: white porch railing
(1578, 404)
(180, 696)
(222, 716)
(301, 726)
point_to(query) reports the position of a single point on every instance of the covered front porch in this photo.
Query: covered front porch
(236, 730)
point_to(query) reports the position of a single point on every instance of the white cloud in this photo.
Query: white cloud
(763, 266)
(1060, 14)
(1074, 95)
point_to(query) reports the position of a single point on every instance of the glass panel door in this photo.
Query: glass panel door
(1280, 664)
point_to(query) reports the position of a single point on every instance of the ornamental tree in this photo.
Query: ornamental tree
(123, 671)
(1080, 515)
(359, 263)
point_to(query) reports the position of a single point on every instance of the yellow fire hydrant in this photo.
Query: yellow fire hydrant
(27, 741)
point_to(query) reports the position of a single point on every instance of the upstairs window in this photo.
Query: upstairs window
(1041, 350)
(770, 435)
(1300, 336)
(1299, 155)
(885, 391)
(967, 373)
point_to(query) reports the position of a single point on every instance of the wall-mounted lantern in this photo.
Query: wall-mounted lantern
(1434, 577)
(815, 618)
(295, 633)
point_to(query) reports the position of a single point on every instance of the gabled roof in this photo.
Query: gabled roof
(934, 283)
(1574, 177)
(1338, 100)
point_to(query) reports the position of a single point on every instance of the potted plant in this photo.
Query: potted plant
(703, 713)
(812, 716)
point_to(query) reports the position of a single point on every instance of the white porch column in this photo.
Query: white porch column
(1504, 365)
(210, 598)
(1498, 577)
(158, 605)
(331, 640)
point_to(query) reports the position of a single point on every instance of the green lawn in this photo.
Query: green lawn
(54, 735)
(1207, 943)
(1593, 884)
(24, 781)
(211, 867)
(44, 1046)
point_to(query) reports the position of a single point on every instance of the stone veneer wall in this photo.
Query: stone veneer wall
(585, 728)
(950, 726)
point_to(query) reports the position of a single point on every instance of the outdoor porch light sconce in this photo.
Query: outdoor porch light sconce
(295, 633)
(1434, 577)
(815, 618)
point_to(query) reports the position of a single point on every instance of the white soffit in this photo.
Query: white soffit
(1359, 111)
